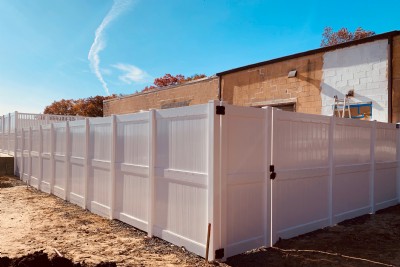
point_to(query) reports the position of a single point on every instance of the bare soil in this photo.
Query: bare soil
(34, 222)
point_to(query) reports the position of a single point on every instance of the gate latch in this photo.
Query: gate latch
(272, 174)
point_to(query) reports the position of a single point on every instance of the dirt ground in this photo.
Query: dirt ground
(31, 221)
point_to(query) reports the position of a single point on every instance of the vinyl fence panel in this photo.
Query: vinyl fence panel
(47, 158)
(182, 176)
(18, 156)
(385, 194)
(99, 180)
(352, 168)
(25, 154)
(60, 159)
(77, 146)
(132, 169)
(34, 178)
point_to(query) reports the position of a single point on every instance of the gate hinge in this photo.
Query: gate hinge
(220, 110)
(272, 174)
(219, 253)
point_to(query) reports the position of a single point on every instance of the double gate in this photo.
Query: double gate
(284, 174)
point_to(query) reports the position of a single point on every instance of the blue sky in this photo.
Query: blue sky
(54, 49)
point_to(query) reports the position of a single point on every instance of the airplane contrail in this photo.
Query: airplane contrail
(99, 43)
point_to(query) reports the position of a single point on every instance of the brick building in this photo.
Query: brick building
(368, 70)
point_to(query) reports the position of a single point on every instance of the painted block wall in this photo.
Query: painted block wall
(362, 68)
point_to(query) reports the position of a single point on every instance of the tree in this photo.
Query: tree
(329, 37)
(62, 107)
(87, 107)
(169, 79)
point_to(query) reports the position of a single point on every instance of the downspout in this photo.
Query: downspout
(390, 75)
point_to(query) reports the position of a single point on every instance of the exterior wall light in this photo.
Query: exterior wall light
(292, 74)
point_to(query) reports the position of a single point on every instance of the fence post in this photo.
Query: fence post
(331, 158)
(30, 156)
(67, 160)
(214, 164)
(112, 165)
(221, 143)
(87, 144)
(372, 167)
(152, 160)
(40, 157)
(52, 161)
(15, 141)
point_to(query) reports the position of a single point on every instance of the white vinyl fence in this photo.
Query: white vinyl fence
(12, 122)
(173, 172)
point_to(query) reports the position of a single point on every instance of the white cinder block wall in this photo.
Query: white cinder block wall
(362, 68)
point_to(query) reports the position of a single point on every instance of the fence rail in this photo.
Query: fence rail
(173, 172)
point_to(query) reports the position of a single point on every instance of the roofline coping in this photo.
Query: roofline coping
(212, 77)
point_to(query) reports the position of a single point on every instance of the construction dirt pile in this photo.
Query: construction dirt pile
(41, 259)
(38, 227)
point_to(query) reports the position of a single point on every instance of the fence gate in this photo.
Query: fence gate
(244, 180)
(300, 191)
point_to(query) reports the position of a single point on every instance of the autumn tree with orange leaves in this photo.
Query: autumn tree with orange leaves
(87, 107)
(169, 79)
(330, 37)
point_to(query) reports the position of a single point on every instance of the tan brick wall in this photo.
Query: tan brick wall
(396, 80)
(270, 83)
(198, 92)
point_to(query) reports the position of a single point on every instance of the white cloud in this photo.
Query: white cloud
(132, 74)
(99, 43)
